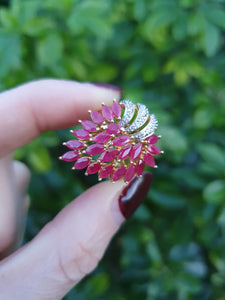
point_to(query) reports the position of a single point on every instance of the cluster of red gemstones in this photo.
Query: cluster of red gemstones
(104, 147)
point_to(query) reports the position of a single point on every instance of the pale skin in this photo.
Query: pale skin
(71, 245)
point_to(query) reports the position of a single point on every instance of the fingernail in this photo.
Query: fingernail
(108, 86)
(134, 193)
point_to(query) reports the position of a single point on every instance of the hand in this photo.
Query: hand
(71, 245)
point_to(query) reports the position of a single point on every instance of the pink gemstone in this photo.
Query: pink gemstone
(116, 109)
(88, 125)
(119, 173)
(153, 149)
(95, 149)
(81, 134)
(107, 112)
(130, 173)
(70, 156)
(74, 144)
(93, 168)
(121, 140)
(140, 167)
(113, 128)
(152, 139)
(106, 171)
(125, 152)
(149, 160)
(136, 151)
(108, 155)
(82, 163)
(102, 137)
(97, 117)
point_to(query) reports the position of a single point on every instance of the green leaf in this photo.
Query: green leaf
(215, 191)
(10, 52)
(159, 19)
(166, 200)
(39, 159)
(212, 39)
(215, 15)
(213, 155)
(50, 49)
(203, 118)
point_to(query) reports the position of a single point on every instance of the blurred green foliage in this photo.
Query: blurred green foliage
(169, 54)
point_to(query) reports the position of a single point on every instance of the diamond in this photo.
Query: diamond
(148, 129)
(129, 109)
(141, 119)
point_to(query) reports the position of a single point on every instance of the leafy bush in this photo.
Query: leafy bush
(169, 55)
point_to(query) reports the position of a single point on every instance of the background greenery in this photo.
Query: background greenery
(169, 55)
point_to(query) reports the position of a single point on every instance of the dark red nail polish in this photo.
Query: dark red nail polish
(134, 193)
(108, 86)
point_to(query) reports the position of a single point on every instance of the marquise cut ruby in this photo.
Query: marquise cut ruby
(93, 168)
(153, 149)
(96, 117)
(121, 140)
(152, 139)
(113, 128)
(108, 155)
(116, 109)
(102, 137)
(119, 173)
(70, 156)
(130, 173)
(125, 152)
(136, 151)
(95, 149)
(74, 144)
(106, 171)
(82, 163)
(107, 113)
(89, 125)
(140, 167)
(81, 134)
(149, 160)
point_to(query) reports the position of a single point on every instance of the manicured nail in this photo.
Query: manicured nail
(134, 193)
(108, 86)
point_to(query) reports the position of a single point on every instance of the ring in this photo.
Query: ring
(116, 143)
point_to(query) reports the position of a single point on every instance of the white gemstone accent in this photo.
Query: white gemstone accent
(128, 112)
(147, 130)
(141, 119)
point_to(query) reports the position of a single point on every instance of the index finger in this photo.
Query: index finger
(48, 104)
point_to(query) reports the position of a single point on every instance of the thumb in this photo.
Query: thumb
(71, 245)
